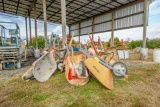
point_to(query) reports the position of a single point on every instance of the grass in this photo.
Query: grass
(140, 90)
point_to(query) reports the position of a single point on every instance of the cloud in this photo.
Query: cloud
(154, 7)
(153, 32)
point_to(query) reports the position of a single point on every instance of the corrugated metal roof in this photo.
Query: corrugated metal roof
(77, 10)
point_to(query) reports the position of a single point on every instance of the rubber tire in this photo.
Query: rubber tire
(59, 62)
(83, 72)
(124, 66)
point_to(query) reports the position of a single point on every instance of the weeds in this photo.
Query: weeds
(140, 90)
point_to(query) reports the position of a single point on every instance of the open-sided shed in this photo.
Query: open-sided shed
(83, 16)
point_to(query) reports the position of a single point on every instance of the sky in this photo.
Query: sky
(153, 28)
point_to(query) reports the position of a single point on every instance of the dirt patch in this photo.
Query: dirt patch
(4, 74)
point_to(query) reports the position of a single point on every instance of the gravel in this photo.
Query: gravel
(10, 73)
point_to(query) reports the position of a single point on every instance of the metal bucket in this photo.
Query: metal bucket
(156, 55)
(144, 53)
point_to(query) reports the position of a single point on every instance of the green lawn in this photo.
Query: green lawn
(142, 89)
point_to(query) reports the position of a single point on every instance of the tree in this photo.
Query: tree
(116, 40)
(41, 42)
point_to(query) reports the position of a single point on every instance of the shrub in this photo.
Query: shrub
(41, 42)
(152, 44)
(133, 44)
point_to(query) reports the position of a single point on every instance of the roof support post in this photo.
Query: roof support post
(69, 30)
(79, 33)
(45, 22)
(30, 31)
(145, 23)
(92, 28)
(35, 22)
(112, 33)
(3, 5)
(26, 30)
(63, 15)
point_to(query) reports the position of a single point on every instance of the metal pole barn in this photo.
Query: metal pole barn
(45, 22)
(63, 17)
(112, 33)
(26, 30)
(35, 22)
(145, 23)
(30, 30)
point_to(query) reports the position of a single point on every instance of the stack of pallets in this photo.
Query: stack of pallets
(9, 55)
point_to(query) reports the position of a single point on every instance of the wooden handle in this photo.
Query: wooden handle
(93, 44)
(30, 69)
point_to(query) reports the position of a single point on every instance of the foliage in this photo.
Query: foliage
(41, 42)
(133, 44)
(116, 40)
(152, 44)
(73, 41)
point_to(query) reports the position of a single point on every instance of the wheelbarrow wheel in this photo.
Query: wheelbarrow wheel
(121, 69)
(82, 68)
(59, 65)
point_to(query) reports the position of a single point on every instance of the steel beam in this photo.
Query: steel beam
(92, 28)
(145, 23)
(112, 33)
(46, 8)
(63, 15)
(79, 32)
(26, 30)
(32, 5)
(45, 22)
(110, 11)
(30, 31)
(3, 5)
(17, 6)
(35, 22)
(69, 30)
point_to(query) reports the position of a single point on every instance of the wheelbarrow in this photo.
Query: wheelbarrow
(109, 55)
(42, 69)
(103, 70)
(75, 71)
(58, 55)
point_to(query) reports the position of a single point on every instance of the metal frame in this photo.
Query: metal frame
(85, 9)
(76, 12)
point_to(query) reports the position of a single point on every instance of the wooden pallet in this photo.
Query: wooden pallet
(10, 53)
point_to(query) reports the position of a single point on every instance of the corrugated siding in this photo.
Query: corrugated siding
(129, 21)
(86, 30)
(74, 27)
(103, 27)
(86, 23)
(125, 18)
(75, 32)
(103, 18)
(129, 10)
